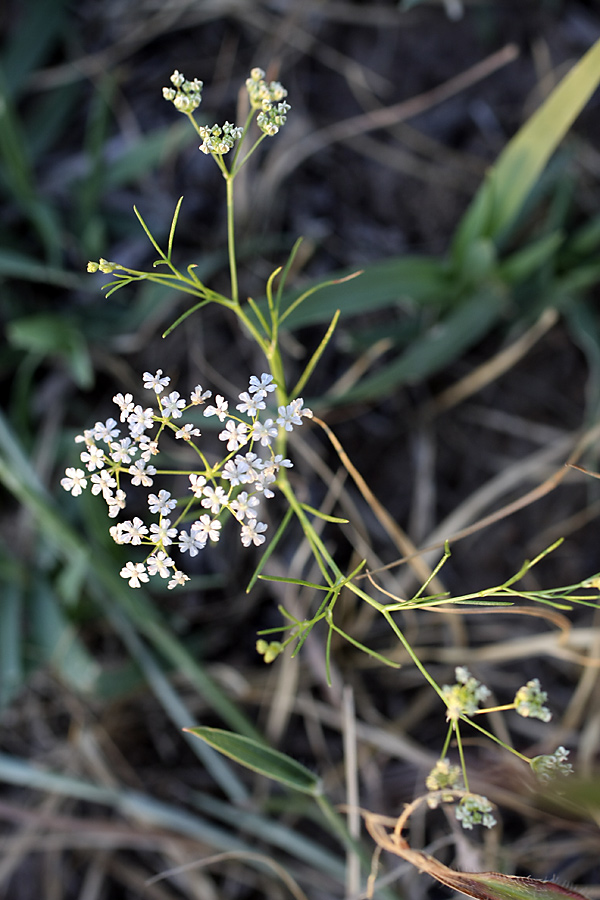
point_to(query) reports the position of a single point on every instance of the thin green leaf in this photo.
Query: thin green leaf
(260, 758)
(272, 546)
(173, 227)
(285, 272)
(297, 581)
(309, 368)
(321, 515)
(149, 234)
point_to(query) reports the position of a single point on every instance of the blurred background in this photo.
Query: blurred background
(100, 789)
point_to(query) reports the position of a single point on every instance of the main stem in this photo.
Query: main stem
(231, 241)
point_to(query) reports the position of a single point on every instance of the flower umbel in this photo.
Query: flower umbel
(529, 701)
(464, 697)
(474, 809)
(555, 764)
(182, 521)
(186, 96)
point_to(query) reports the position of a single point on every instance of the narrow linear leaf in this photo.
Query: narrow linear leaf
(260, 758)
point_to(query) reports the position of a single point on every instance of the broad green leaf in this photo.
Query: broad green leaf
(48, 334)
(17, 265)
(57, 643)
(402, 280)
(523, 263)
(445, 341)
(587, 238)
(509, 182)
(260, 758)
(31, 38)
(11, 634)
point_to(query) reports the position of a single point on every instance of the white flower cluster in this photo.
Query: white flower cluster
(530, 699)
(553, 765)
(269, 99)
(464, 697)
(186, 96)
(474, 809)
(235, 484)
(220, 140)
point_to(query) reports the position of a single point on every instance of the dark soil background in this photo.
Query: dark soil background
(387, 192)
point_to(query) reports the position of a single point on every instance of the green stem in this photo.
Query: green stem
(461, 754)
(231, 241)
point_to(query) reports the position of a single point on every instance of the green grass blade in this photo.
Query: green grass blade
(508, 184)
(11, 668)
(450, 337)
(422, 280)
(130, 803)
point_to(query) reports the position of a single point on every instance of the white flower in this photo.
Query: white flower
(122, 451)
(205, 527)
(159, 563)
(220, 410)
(156, 383)
(177, 579)
(148, 448)
(261, 484)
(116, 533)
(251, 405)
(106, 431)
(244, 505)
(198, 396)
(116, 503)
(264, 432)
(265, 383)
(214, 499)
(197, 484)
(140, 473)
(103, 482)
(254, 464)
(163, 533)
(288, 416)
(190, 543)
(140, 420)
(75, 481)
(132, 532)
(302, 410)
(162, 504)
(236, 435)
(93, 458)
(172, 405)
(187, 432)
(136, 573)
(86, 438)
(125, 404)
(271, 467)
(251, 533)
(235, 470)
